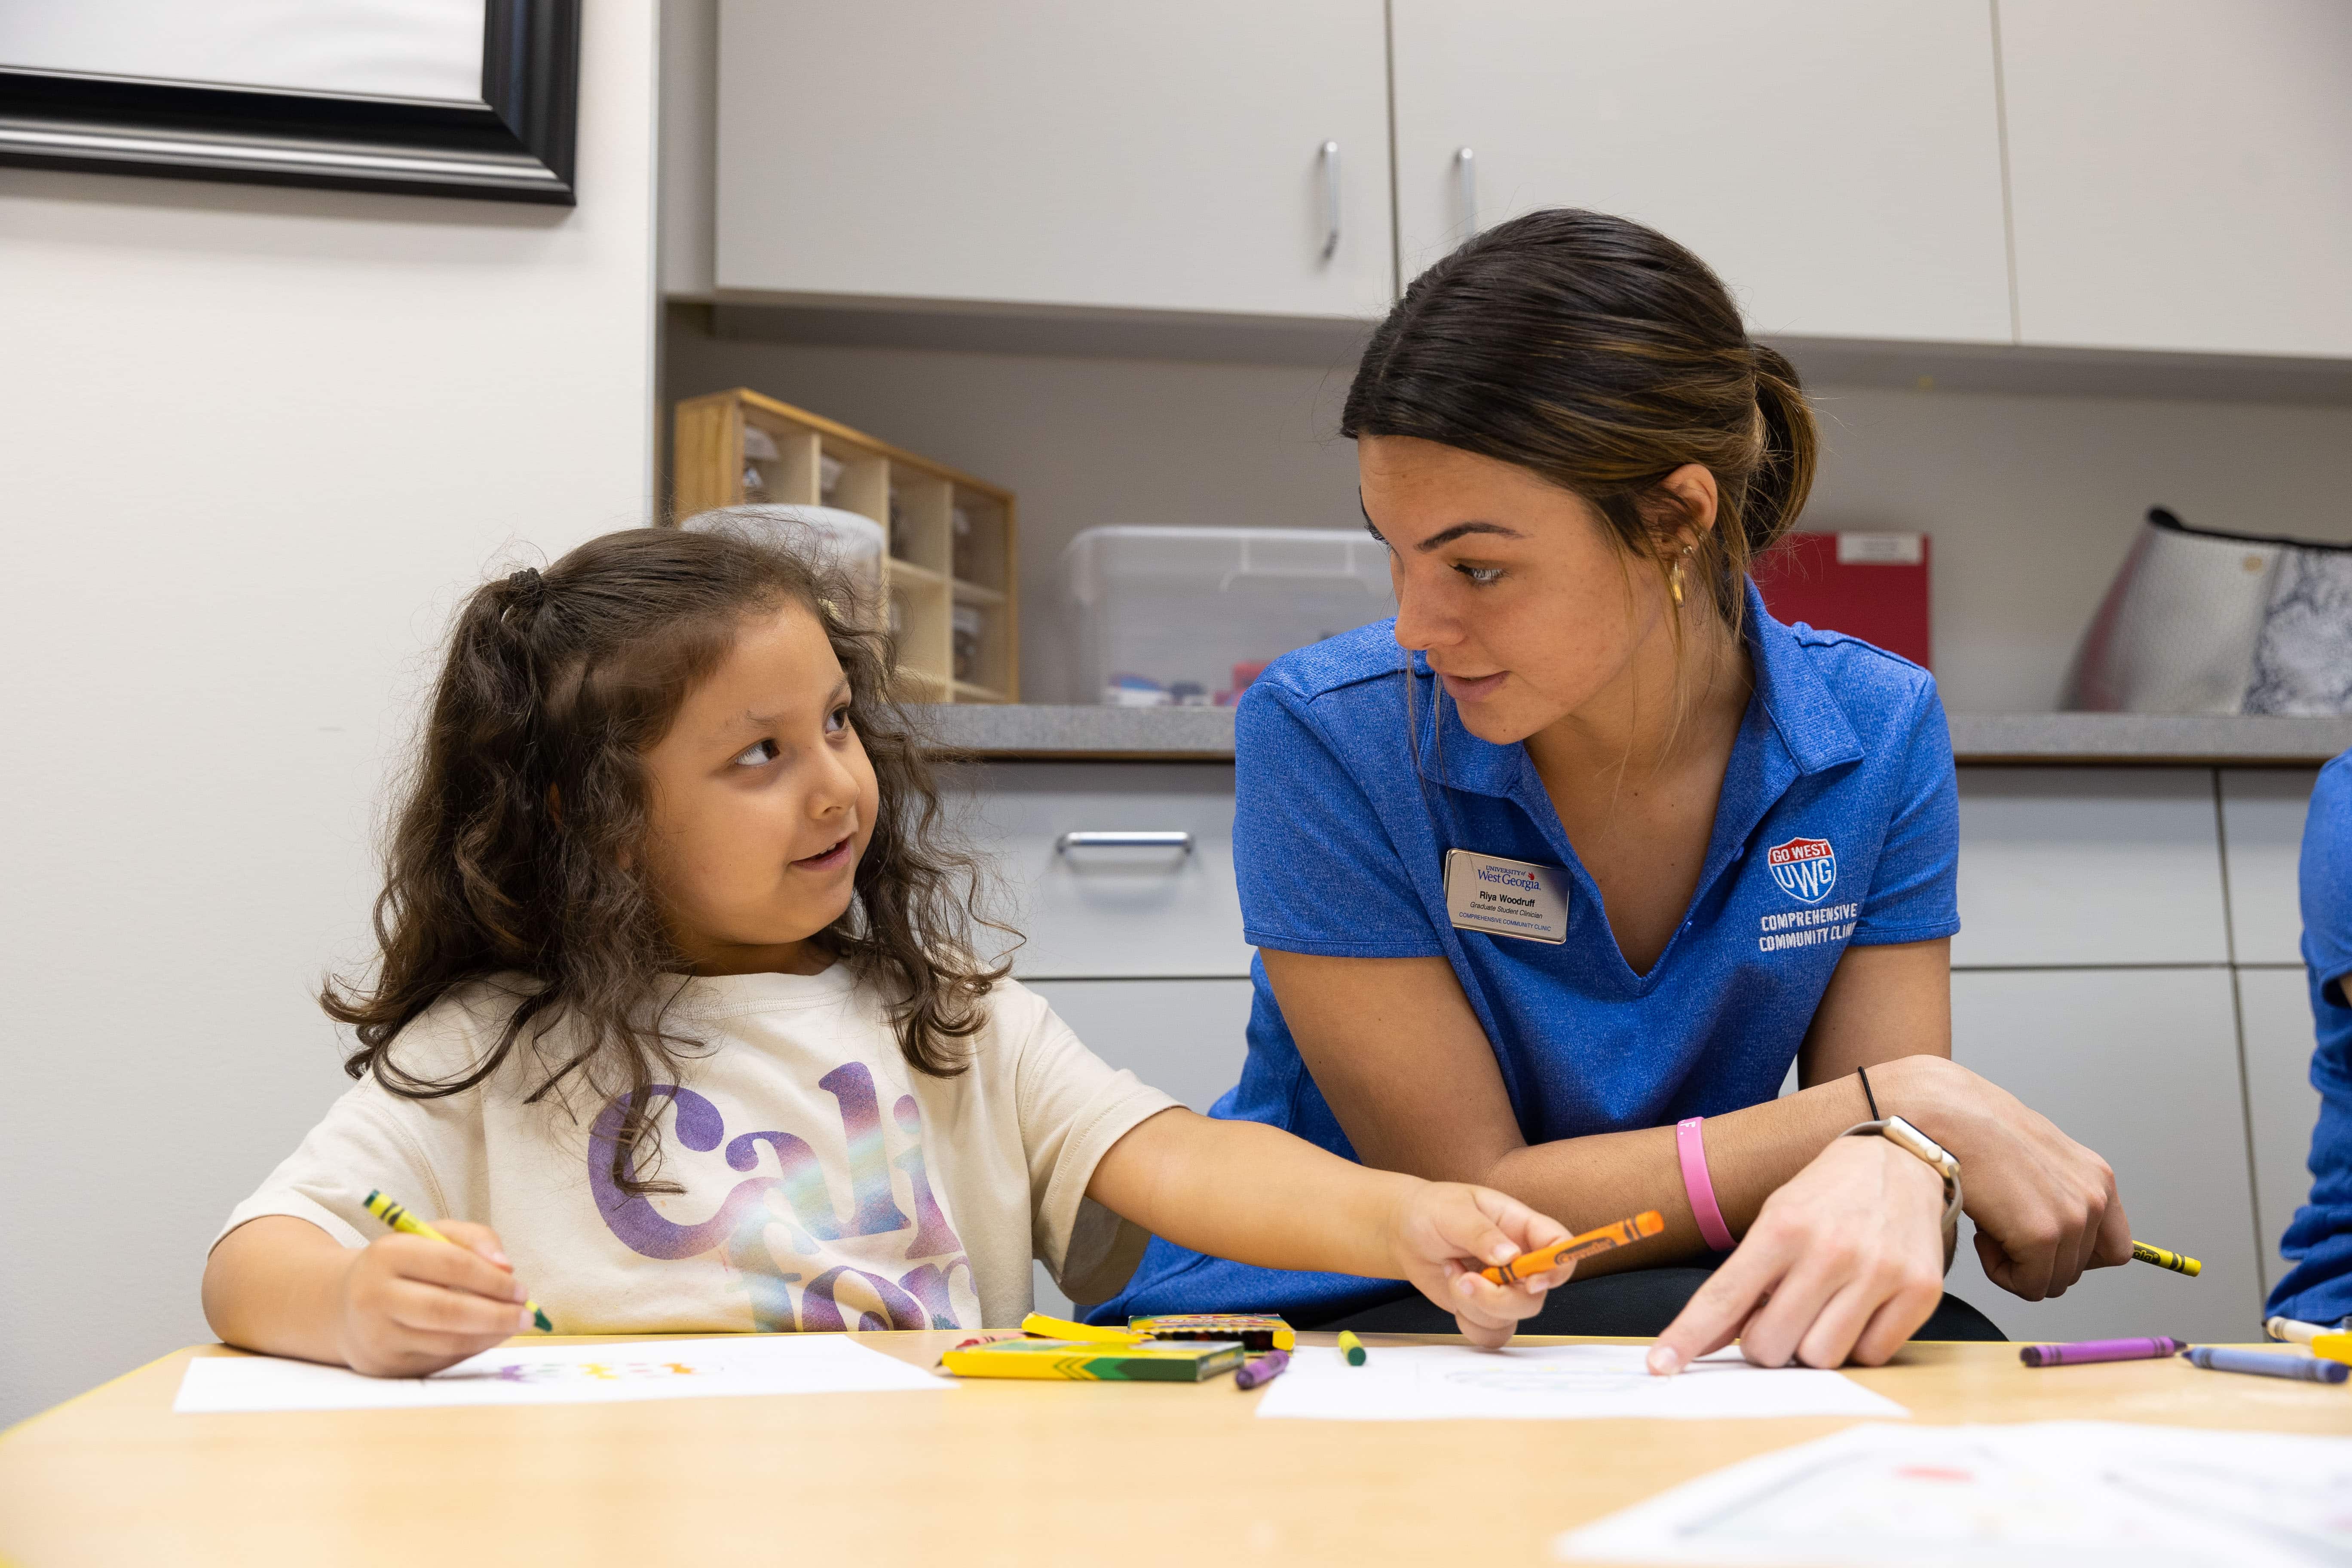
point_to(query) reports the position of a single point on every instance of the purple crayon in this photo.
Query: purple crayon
(2101, 1349)
(1265, 1369)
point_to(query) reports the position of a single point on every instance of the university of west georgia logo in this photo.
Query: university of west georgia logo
(1806, 868)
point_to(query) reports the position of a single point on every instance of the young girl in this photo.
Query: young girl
(677, 1019)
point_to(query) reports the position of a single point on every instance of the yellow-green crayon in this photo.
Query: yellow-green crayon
(1351, 1347)
(2179, 1262)
(397, 1216)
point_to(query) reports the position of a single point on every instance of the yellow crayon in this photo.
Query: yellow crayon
(397, 1216)
(1351, 1347)
(2179, 1262)
(2332, 1346)
(1046, 1328)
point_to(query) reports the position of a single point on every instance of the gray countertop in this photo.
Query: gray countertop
(1206, 735)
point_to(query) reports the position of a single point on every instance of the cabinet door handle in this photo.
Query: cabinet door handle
(1148, 838)
(1330, 200)
(1466, 187)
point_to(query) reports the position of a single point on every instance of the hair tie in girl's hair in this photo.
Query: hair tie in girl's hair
(526, 591)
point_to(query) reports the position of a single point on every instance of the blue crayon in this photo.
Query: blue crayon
(2269, 1364)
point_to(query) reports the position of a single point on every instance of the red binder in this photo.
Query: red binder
(1869, 585)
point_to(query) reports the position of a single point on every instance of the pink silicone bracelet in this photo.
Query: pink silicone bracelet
(1695, 1184)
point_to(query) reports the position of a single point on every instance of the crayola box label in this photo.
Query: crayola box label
(1076, 1361)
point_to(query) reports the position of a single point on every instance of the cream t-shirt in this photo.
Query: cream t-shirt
(826, 1183)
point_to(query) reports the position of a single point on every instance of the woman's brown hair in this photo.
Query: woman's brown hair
(518, 847)
(1602, 356)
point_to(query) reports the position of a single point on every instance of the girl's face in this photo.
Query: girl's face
(763, 802)
(1523, 600)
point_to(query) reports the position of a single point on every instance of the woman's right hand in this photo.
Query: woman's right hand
(408, 1305)
(2045, 1207)
(1844, 1260)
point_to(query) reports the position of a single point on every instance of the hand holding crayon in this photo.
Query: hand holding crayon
(1440, 1235)
(419, 1300)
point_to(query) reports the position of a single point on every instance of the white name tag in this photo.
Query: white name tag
(1505, 898)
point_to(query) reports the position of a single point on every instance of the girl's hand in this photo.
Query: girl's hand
(1444, 1232)
(408, 1305)
(1844, 1262)
(2046, 1207)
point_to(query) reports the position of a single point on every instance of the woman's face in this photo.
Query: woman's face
(1527, 607)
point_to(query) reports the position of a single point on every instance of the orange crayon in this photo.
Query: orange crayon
(1543, 1259)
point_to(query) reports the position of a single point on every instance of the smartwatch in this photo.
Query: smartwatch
(1919, 1145)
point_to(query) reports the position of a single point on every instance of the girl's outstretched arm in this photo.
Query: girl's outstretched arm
(1257, 1194)
(401, 1306)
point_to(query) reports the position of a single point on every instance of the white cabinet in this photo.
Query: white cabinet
(2282, 1108)
(1838, 162)
(2261, 830)
(1145, 156)
(1186, 1037)
(2142, 1065)
(1092, 910)
(2089, 866)
(1183, 1035)
(2177, 173)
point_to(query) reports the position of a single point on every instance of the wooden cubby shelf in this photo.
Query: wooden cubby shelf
(949, 576)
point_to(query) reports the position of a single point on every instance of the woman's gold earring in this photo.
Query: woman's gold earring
(1675, 583)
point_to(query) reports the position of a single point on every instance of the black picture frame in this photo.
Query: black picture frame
(517, 145)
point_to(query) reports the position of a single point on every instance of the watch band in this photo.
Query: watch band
(1921, 1147)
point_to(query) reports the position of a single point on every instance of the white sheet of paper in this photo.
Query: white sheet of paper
(2084, 1494)
(563, 1374)
(1550, 1382)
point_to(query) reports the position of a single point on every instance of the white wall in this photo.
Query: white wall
(2032, 500)
(252, 442)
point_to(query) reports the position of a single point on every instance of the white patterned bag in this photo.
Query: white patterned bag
(2198, 621)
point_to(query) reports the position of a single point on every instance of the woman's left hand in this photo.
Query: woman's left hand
(1843, 1263)
(1444, 1232)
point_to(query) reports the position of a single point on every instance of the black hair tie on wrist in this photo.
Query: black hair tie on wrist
(1863, 1074)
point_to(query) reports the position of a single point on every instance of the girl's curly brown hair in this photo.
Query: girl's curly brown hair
(516, 848)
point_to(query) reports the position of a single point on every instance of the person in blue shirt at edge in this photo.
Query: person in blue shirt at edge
(1574, 451)
(2318, 1288)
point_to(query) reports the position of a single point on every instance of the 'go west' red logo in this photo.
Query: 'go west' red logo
(1806, 868)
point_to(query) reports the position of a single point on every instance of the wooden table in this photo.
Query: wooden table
(1032, 1473)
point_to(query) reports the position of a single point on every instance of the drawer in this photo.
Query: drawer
(2261, 834)
(2142, 1065)
(2089, 866)
(1092, 908)
(2274, 1013)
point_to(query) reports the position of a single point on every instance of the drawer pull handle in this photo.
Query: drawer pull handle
(1171, 838)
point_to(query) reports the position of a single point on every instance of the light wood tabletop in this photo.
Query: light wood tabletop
(1035, 1473)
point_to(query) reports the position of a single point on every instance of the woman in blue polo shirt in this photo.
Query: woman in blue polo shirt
(1554, 877)
(2318, 1288)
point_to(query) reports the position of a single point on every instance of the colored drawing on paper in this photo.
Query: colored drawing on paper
(545, 1374)
(2079, 1493)
(563, 1375)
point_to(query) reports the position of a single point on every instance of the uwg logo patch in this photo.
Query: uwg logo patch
(1806, 868)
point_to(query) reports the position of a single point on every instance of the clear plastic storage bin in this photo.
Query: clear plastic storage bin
(851, 543)
(1189, 616)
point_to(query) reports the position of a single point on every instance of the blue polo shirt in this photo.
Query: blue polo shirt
(2318, 1288)
(1843, 763)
